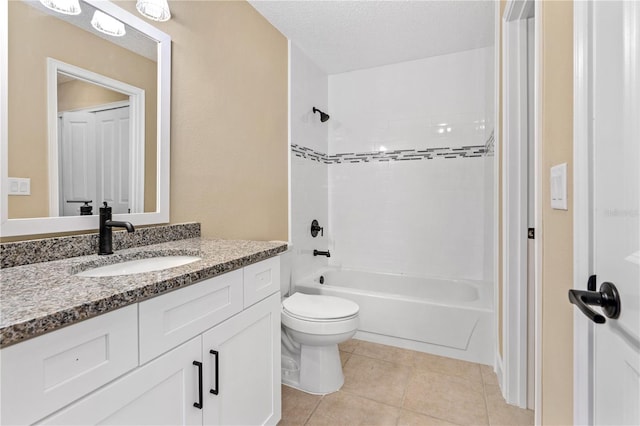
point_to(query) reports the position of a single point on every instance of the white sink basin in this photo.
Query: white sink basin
(138, 266)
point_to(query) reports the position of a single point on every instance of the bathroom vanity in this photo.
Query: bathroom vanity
(194, 344)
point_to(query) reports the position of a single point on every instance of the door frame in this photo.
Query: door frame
(583, 398)
(514, 188)
(136, 130)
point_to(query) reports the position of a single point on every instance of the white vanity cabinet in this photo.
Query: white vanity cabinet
(190, 342)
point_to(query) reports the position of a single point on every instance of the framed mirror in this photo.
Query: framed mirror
(84, 118)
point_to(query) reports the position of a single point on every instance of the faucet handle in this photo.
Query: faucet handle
(315, 227)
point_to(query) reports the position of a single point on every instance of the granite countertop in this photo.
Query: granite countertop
(42, 297)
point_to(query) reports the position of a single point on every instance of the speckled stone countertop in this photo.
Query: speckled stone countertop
(42, 297)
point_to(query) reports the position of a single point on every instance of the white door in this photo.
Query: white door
(162, 392)
(78, 161)
(241, 360)
(616, 200)
(112, 139)
(613, 357)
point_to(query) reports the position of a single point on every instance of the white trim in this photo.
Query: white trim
(515, 199)
(583, 398)
(136, 104)
(30, 226)
(537, 161)
(290, 219)
(497, 187)
(101, 107)
(500, 372)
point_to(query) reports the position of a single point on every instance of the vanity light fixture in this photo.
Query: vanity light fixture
(157, 10)
(107, 24)
(68, 7)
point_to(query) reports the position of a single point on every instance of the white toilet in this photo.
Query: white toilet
(312, 327)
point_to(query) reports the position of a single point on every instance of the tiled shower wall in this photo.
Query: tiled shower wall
(309, 88)
(423, 201)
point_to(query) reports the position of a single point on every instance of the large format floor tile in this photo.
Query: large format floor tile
(385, 385)
(297, 406)
(446, 397)
(501, 413)
(409, 418)
(376, 379)
(341, 408)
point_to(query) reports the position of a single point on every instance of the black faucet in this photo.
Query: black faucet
(106, 225)
(321, 253)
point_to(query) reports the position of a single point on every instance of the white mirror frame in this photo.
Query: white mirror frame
(47, 225)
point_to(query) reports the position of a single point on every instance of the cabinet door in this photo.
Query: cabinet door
(247, 348)
(162, 392)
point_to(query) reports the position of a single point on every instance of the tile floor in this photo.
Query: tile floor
(385, 385)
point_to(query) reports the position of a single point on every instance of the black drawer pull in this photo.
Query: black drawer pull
(199, 404)
(216, 388)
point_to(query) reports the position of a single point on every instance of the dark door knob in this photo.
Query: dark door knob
(607, 298)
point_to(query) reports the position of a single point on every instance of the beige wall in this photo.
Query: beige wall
(229, 152)
(34, 36)
(78, 94)
(557, 235)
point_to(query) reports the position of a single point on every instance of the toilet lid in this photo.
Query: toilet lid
(319, 307)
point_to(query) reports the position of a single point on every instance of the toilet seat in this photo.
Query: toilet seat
(319, 315)
(319, 307)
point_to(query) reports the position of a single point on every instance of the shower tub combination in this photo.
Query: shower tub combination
(452, 318)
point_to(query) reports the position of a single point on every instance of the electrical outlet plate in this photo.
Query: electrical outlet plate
(19, 186)
(559, 187)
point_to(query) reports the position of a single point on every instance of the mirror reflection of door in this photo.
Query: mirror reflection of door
(95, 159)
(94, 146)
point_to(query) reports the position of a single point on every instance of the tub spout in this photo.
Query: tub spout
(321, 253)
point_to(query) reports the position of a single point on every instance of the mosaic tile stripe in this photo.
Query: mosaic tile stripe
(469, 151)
(56, 248)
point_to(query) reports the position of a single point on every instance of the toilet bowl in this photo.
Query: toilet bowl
(312, 327)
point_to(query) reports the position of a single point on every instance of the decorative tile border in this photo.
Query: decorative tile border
(468, 151)
(57, 248)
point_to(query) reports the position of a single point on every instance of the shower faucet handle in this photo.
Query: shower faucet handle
(315, 227)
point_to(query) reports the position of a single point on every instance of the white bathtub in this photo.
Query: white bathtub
(451, 318)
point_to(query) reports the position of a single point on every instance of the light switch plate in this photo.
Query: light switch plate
(559, 187)
(19, 186)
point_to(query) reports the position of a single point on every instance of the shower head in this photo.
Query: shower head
(323, 117)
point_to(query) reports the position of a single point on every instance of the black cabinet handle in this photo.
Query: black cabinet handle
(199, 404)
(216, 388)
(608, 298)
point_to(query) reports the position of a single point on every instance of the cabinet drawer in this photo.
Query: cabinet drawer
(161, 392)
(48, 372)
(170, 319)
(261, 280)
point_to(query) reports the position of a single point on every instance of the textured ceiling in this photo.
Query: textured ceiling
(343, 36)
